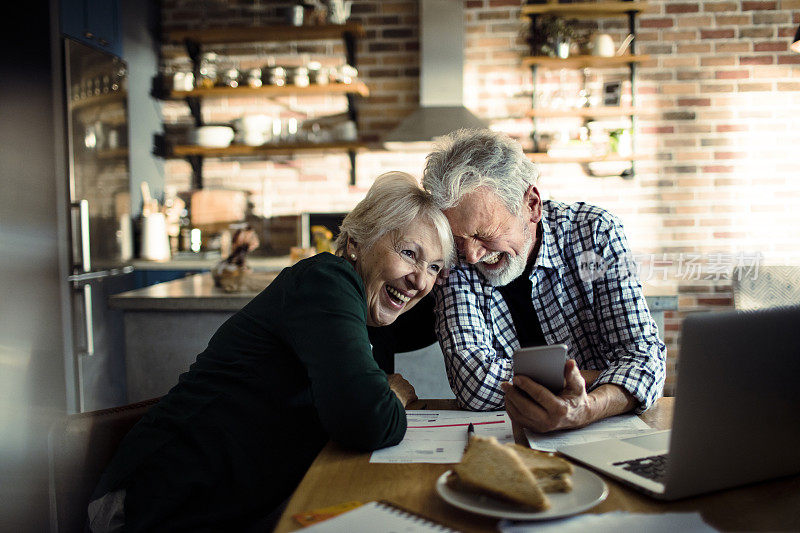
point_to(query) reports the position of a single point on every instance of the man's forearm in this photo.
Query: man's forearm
(609, 400)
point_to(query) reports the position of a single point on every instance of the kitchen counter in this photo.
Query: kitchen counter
(168, 324)
(192, 293)
(256, 263)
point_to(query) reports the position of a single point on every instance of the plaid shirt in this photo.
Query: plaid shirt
(600, 315)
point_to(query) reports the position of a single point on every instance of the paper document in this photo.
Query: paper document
(614, 522)
(440, 436)
(614, 427)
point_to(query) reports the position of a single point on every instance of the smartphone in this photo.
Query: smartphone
(543, 364)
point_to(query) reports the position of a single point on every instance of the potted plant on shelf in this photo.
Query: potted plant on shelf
(552, 36)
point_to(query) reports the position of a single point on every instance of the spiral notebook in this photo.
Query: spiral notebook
(377, 517)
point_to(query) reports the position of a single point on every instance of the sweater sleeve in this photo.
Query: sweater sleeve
(325, 320)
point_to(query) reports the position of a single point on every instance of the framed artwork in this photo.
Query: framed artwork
(612, 92)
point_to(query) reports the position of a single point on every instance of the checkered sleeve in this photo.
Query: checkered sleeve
(637, 357)
(474, 368)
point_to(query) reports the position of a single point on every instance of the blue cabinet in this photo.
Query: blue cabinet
(145, 278)
(94, 22)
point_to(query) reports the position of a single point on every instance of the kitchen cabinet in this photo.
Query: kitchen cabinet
(593, 11)
(93, 22)
(146, 278)
(196, 40)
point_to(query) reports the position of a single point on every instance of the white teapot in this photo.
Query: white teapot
(339, 11)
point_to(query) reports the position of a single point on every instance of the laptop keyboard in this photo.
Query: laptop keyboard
(653, 467)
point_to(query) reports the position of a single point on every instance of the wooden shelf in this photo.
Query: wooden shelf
(585, 112)
(239, 150)
(112, 153)
(583, 61)
(249, 34)
(98, 101)
(539, 157)
(357, 87)
(584, 9)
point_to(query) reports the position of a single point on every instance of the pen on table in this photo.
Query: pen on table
(470, 432)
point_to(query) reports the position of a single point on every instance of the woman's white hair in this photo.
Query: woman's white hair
(392, 203)
(466, 159)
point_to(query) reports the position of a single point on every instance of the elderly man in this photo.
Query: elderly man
(532, 273)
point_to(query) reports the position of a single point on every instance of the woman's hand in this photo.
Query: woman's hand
(402, 389)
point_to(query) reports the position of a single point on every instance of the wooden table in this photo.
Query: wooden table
(338, 476)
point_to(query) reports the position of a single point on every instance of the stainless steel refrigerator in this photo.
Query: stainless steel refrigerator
(100, 224)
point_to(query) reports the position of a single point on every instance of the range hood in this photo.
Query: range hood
(441, 81)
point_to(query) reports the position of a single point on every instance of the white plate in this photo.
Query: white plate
(588, 489)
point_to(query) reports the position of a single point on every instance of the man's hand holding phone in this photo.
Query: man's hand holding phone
(535, 399)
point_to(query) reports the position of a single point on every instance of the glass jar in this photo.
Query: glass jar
(231, 78)
(208, 70)
(254, 77)
(300, 77)
(317, 73)
(183, 81)
(346, 74)
(277, 76)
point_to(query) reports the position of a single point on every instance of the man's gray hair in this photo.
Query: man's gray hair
(466, 159)
(393, 202)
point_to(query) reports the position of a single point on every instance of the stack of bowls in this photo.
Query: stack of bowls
(253, 130)
(212, 136)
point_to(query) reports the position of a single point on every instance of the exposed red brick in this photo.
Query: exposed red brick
(732, 47)
(757, 60)
(656, 23)
(732, 20)
(717, 34)
(715, 301)
(716, 88)
(717, 168)
(756, 6)
(698, 48)
(755, 87)
(718, 61)
(757, 32)
(720, 6)
(781, 46)
(793, 59)
(729, 155)
(658, 129)
(681, 222)
(494, 15)
(732, 74)
(731, 127)
(682, 8)
(695, 21)
(692, 102)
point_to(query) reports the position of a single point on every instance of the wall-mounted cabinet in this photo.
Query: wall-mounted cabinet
(541, 16)
(93, 22)
(345, 86)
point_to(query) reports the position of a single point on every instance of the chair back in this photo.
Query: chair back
(768, 286)
(80, 446)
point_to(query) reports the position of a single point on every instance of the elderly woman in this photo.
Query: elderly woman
(294, 368)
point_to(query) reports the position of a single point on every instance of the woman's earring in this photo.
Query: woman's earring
(353, 257)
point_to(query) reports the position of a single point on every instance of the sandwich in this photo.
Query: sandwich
(553, 474)
(490, 467)
(511, 473)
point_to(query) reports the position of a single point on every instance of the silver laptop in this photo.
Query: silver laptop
(737, 410)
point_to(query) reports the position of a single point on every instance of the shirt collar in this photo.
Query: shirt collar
(548, 251)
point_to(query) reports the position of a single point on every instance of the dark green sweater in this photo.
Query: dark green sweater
(231, 441)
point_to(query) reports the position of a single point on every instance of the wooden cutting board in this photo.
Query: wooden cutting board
(217, 206)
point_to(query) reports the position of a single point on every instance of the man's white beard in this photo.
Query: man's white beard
(514, 266)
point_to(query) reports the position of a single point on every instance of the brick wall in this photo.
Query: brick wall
(717, 181)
